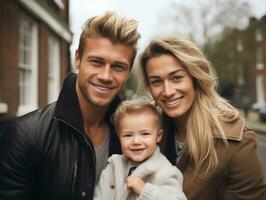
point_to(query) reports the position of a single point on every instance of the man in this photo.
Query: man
(56, 151)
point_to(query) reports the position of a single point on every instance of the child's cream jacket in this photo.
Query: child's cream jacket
(162, 180)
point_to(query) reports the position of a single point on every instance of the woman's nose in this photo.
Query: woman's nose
(168, 89)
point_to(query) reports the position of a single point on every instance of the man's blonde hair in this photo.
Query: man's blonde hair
(134, 106)
(110, 25)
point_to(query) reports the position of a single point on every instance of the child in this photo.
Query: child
(142, 172)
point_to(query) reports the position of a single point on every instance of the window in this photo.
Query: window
(60, 4)
(239, 45)
(260, 88)
(53, 69)
(28, 60)
(259, 58)
(258, 35)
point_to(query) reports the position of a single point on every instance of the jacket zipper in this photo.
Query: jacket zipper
(75, 176)
(75, 168)
(83, 136)
(89, 145)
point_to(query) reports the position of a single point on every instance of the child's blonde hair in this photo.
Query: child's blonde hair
(139, 105)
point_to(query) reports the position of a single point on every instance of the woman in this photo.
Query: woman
(206, 138)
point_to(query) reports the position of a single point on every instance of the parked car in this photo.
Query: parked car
(260, 107)
(262, 114)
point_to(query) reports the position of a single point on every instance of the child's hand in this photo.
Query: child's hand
(135, 183)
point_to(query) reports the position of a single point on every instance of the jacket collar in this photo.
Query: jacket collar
(67, 107)
(233, 130)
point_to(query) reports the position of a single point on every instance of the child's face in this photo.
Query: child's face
(139, 133)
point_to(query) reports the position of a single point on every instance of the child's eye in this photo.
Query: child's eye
(145, 134)
(127, 135)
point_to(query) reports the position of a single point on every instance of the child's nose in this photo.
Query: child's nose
(136, 140)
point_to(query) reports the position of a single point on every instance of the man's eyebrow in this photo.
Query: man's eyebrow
(96, 57)
(121, 63)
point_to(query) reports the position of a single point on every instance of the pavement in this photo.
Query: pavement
(254, 122)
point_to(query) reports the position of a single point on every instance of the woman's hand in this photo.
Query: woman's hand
(135, 183)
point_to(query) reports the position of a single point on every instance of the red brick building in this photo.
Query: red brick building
(34, 53)
(260, 72)
(240, 59)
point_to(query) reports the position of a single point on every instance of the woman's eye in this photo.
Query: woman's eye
(155, 82)
(176, 78)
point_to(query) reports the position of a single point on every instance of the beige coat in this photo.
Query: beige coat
(162, 180)
(238, 175)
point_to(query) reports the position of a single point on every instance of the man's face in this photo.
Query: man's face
(103, 70)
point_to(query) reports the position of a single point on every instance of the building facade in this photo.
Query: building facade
(34, 53)
(239, 57)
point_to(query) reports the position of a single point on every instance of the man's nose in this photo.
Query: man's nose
(105, 74)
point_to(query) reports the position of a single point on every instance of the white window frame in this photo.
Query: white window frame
(60, 4)
(258, 35)
(259, 59)
(3, 108)
(37, 9)
(260, 84)
(28, 61)
(53, 75)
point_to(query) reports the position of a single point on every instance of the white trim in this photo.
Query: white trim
(38, 10)
(32, 99)
(260, 88)
(22, 110)
(60, 4)
(35, 64)
(260, 66)
(53, 69)
(3, 108)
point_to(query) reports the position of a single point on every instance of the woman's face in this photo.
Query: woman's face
(170, 85)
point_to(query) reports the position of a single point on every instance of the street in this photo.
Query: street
(261, 139)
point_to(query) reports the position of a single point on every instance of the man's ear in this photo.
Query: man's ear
(160, 136)
(77, 60)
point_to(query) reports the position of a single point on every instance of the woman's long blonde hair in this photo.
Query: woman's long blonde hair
(208, 108)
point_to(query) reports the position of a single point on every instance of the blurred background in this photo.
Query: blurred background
(38, 39)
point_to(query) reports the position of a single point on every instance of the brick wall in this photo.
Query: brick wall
(10, 13)
(43, 64)
(9, 41)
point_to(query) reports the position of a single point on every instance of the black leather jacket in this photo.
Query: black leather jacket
(46, 154)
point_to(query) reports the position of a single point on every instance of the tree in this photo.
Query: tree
(205, 20)
(131, 85)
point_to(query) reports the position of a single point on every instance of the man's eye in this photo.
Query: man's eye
(96, 62)
(119, 68)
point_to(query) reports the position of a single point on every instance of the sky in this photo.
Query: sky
(151, 14)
